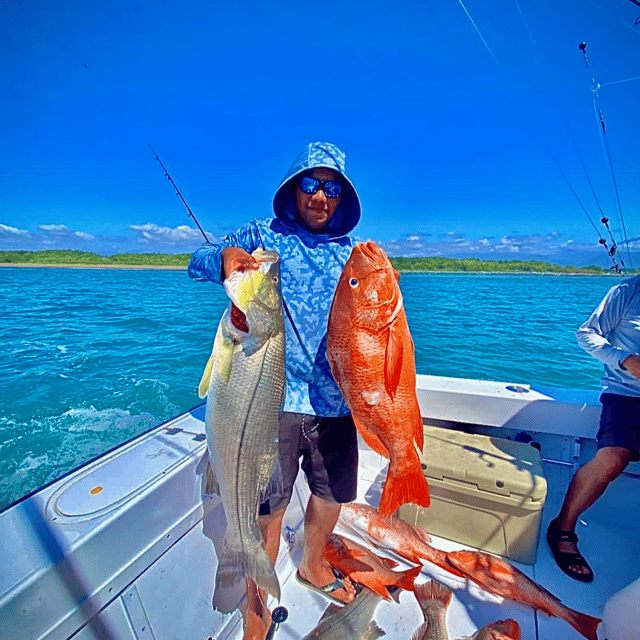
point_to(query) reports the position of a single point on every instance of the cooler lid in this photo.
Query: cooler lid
(495, 465)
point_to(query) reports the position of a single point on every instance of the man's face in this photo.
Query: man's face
(316, 209)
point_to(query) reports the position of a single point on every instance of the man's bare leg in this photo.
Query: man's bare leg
(320, 519)
(257, 618)
(587, 485)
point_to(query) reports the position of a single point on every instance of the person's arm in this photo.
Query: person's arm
(632, 365)
(593, 335)
(214, 262)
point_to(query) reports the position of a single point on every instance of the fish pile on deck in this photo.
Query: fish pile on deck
(244, 384)
(491, 573)
(366, 568)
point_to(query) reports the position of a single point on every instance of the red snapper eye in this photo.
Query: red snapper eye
(353, 282)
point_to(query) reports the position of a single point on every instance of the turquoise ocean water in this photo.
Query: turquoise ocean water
(90, 358)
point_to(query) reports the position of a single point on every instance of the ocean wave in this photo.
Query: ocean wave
(46, 448)
(92, 419)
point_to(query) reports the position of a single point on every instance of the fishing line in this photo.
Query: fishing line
(615, 17)
(584, 169)
(605, 221)
(606, 84)
(615, 188)
(602, 131)
(610, 251)
(607, 153)
(526, 26)
(478, 31)
(573, 191)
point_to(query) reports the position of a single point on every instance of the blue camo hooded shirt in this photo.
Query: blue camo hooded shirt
(311, 264)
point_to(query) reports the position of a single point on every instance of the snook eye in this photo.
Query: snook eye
(353, 282)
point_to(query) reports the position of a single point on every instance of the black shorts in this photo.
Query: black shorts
(620, 423)
(329, 451)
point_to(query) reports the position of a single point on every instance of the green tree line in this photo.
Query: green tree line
(475, 265)
(68, 257)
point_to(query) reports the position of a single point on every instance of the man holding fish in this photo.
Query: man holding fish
(316, 206)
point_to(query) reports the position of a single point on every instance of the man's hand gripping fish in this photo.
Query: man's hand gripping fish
(244, 384)
(371, 354)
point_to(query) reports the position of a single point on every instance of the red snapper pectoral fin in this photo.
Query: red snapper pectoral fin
(393, 359)
(371, 439)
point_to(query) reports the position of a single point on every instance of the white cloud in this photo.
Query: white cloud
(59, 229)
(84, 236)
(150, 232)
(12, 231)
(549, 247)
(143, 237)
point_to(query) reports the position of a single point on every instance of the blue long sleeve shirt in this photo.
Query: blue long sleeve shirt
(311, 265)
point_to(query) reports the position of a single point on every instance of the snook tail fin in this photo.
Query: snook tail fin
(234, 566)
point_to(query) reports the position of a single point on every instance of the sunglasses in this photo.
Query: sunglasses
(331, 188)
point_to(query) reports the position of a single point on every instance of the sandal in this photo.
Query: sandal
(327, 590)
(565, 559)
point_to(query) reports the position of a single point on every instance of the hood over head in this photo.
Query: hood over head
(314, 155)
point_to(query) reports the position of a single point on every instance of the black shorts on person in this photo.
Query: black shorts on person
(620, 423)
(329, 451)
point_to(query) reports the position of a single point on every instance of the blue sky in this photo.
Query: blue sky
(450, 130)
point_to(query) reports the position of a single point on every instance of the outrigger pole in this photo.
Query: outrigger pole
(602, 130)
(166, 173)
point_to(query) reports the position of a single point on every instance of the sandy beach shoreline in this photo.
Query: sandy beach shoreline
(137, 267)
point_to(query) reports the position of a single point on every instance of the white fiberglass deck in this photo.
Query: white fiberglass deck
(608, 546)
(131, 560)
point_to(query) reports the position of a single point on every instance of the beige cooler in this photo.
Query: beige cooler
(485, 492)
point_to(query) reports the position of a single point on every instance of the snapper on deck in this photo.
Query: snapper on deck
(371, 354)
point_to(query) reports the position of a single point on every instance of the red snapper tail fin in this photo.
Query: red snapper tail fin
(404, 484)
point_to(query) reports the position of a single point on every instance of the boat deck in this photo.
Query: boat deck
(137, 559)
(608, 546)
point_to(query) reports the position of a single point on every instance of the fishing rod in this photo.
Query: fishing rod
(602, 131)
(166, 173)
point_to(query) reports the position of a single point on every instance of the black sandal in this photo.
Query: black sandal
(565, 559)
